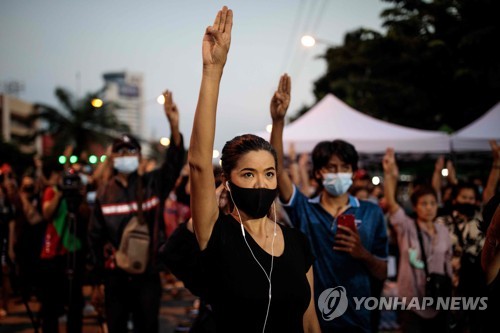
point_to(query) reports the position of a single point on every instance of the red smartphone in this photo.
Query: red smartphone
(346, 220)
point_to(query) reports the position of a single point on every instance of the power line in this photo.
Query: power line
(311, 25)
(293, 36)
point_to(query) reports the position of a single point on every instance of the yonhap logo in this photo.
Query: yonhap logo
(332, 303)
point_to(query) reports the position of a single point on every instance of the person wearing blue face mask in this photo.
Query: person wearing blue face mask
(352, 258)
(131, 193)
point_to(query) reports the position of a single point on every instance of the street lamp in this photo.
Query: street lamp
(160, 99)
(97, 102)
(310, 41)
(164, 141)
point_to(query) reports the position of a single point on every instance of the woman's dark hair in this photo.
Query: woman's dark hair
(420, 191)
(464, 185)
(240, 146)
(324, 151)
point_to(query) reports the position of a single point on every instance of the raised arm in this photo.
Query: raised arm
(279, 106)
(294, 167)
(172, 114)
(436, 177)
(491, 184)
(452, 173)
(204, 208)
(391, 174)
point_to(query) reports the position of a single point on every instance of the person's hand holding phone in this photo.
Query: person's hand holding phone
(347, 237)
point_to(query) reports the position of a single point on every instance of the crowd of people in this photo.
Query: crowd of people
(267, 242)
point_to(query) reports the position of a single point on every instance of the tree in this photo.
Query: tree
(436, 66)
(79, 123)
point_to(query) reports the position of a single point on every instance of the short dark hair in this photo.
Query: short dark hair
(323, 152)
(420, 191)
(241, 145)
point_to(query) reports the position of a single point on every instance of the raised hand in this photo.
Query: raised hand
(439, 164)
(217, 39)
(281, 98)
(389, 163)
(170, 109)
(348, 240)
(495, 150)
(452, 174)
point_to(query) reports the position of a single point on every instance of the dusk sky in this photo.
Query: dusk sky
(45, 43)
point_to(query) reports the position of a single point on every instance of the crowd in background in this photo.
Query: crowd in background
(28, 252)
(218, 229)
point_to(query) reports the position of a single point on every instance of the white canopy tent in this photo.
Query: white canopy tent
(333, 119)
(476, 136)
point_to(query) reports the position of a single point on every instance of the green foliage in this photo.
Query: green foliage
(79, 123)
(436, 66)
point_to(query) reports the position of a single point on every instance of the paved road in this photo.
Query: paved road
(174, 314)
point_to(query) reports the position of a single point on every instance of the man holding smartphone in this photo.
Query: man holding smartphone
(353, 258)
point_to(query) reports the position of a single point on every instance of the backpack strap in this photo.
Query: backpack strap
(424, 256)
(140, 199)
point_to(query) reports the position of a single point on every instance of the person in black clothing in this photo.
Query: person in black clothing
(116, 204)
(62, 255)
(6, 252)
(259, 274)
(29, 232)
(490, 259)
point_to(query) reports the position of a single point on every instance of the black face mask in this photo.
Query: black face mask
(255, 202)
(465, 209)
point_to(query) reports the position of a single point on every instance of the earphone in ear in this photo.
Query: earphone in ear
(227, 185)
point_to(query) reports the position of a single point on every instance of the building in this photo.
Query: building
(17, 125)
(126, 91)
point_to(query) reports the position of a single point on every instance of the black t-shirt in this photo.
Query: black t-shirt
(238, 289)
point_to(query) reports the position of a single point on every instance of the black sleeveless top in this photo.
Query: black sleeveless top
(238, 289)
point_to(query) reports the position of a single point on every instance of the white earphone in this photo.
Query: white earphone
(268, 276)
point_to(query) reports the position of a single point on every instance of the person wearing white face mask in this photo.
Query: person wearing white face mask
(129, 196)
(353, 258)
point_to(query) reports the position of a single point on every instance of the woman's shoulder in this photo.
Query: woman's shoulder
(441, 228)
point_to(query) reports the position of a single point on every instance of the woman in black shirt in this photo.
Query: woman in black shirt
(259, 274)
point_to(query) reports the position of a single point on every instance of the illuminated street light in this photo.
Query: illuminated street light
(165, 141)
(308, 41)
(97, 102)
(161, 99)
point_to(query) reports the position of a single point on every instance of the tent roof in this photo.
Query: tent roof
(333, 119)
(476, 136)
